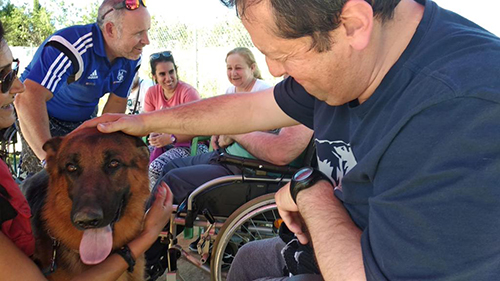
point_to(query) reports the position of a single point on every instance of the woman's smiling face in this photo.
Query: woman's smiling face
(166, 76)
(239, 72)
(7, 117)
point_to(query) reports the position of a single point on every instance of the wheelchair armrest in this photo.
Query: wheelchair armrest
(198, 139)
(256, 164)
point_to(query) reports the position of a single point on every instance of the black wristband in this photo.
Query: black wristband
(305, 178)
(126, 254)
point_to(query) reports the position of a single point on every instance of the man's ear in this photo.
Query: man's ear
(357, 20)
(109, 29)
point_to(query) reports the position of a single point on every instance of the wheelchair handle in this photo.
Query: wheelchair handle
(208, 215)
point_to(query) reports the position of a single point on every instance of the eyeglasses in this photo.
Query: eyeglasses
(127, 4)
(9, 78)
(156, 56)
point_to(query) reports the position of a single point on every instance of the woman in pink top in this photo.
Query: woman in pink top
(168, 92)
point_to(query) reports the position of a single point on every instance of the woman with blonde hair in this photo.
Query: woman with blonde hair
(243, 72)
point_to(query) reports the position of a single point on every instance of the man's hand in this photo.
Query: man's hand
(225, 140)
(289, 212)
(221, 141)
(214, 141)
(112, 122)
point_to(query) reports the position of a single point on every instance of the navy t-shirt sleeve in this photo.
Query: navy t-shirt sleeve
(437, 195)
(51, 69)
(293, 99)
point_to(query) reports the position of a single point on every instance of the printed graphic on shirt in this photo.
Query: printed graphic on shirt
(120, 76)
(93, 75)
(339, 159)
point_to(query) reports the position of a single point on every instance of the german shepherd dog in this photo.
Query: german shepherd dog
(89, 201)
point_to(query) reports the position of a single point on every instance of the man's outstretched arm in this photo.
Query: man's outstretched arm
(227, 114)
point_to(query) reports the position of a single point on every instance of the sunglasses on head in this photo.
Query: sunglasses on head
(156, 56)
(127, 4)
(9, 78)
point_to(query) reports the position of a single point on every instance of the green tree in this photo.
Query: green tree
(69, 14)
(24, 27)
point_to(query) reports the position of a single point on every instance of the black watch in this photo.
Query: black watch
(305, 178)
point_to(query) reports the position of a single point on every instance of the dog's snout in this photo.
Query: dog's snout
(88, 218)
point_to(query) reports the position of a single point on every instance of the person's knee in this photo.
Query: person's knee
(248, 250)
(175, 184)
(254, 250)
(167, 178)
(170, 165)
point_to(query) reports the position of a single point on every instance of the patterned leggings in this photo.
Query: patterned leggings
(156, 166)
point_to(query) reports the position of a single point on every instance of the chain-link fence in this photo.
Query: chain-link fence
(199, 33)
(199, 42)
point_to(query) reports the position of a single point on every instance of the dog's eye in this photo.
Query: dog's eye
(114, 164)
(71, 168)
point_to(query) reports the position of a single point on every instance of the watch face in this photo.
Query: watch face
(303, 174)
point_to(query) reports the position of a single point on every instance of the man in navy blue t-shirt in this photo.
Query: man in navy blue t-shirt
(404, 100)
(74, 68)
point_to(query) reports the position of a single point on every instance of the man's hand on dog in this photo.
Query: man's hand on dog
(158, 215)
(113, 122)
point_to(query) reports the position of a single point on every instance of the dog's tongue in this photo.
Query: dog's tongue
(96, 244)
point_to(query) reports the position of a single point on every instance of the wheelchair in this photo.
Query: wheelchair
(8, 152)
(232, 211)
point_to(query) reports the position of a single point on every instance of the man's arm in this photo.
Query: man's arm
(280, 149)
(115, 104)
(227, 114)
(31, 110)
(334, 236)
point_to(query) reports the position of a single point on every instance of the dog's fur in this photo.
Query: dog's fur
(88, 172)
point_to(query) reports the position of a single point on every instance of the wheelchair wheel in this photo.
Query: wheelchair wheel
(257, 219)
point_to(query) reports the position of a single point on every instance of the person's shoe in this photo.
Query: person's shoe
(193, 247)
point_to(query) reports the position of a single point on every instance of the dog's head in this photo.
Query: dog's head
(97, 188)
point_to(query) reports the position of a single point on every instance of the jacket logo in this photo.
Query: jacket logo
(93, 75)
(120, 76)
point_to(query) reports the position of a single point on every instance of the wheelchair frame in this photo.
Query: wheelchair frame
(258, 207)
(9, 154)
(227, 226)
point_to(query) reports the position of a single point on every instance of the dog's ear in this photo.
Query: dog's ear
(52, 146)
(139, 142)
(141, 145)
